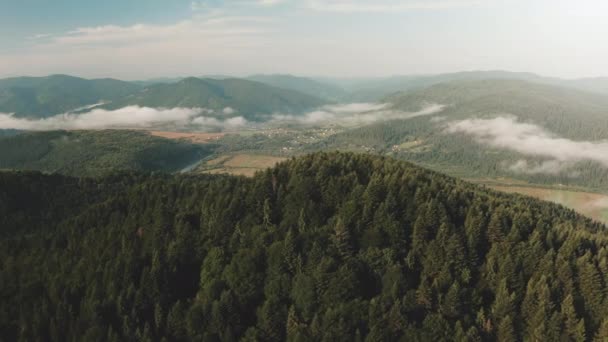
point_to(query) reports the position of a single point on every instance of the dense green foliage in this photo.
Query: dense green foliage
(249, 99)
(329, 247)
(47, 96)
(96, 152)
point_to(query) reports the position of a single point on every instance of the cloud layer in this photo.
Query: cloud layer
(202, 119)
(532, 140)
(354, 114)
(127, 117)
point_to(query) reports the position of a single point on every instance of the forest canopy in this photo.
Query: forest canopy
(331, 246)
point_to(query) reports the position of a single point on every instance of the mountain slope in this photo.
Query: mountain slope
(301, 84)
(326, 247)
(247, 98)
(550, 112)
(378, 88)
(569, 112)
(39, 97)
(96, 152)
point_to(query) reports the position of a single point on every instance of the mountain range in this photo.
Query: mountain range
(39, 97)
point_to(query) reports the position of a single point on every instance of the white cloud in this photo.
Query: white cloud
(356, 107)
(207, 43)
(354, 114)
(127, 117)
(40, 36)
(202, 5)
(550, 167)
(532, 140)
(367, 6)
(201, 28)
(228, 111)
(270, 2)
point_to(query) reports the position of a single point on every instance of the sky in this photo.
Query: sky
(144, 39)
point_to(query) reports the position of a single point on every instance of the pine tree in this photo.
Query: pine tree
(503, 305)
(574, 327)
(602, 333)
(343, 239)
(290, 252)
(495, 227)
(506, 332)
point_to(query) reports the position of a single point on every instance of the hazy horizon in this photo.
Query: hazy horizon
(148, 39)
(319, 77)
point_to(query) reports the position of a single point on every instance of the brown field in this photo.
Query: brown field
(590, 204)
(197, 138)
(240, 164)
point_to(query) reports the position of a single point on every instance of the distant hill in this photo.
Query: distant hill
(39, 97)
(598, 85)
(246, 98)
(302, 84)
(375, 89)
(569, 112)
(563, 112)
(95, 153)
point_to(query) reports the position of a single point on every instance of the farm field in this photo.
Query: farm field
(591, 204)
(239, 164)
(197, 138)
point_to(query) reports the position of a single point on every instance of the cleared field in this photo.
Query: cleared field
(587, 203)
(240, 164)
(197, 138)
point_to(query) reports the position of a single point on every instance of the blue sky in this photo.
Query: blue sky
(138, 39)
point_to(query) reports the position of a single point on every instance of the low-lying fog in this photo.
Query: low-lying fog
(203, 119)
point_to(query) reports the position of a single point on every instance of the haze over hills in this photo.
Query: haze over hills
(302, 84)
(36, 97)
(374, 89)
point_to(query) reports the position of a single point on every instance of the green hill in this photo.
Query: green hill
(253, 100)
(39, 97)
(564, 112)
(336, 247)
(568, 112)
(96, 152)
(302, 84)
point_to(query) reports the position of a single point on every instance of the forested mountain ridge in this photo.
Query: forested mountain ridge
(95, 153)
(39, 97)
(246, 98)
(331, 246)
